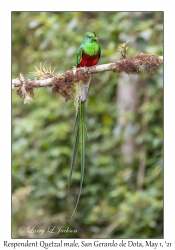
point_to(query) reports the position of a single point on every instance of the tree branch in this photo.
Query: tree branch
(36, 83)
(145, 64)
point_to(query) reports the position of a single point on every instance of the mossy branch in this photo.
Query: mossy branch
(143, 64)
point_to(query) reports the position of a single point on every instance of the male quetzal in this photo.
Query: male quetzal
(88, 55)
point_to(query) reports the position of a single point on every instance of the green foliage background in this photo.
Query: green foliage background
(42, 139)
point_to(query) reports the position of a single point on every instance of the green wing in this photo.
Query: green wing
(79, 53)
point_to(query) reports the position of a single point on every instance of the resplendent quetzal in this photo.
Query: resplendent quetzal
(88, 55)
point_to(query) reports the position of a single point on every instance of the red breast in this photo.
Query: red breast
(88, 60)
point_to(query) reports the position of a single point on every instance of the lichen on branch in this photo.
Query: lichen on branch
(143, 64)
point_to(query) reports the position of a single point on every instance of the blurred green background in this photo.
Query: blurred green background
(122, 194)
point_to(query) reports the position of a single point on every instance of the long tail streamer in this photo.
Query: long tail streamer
(80, 130)
(80, 133)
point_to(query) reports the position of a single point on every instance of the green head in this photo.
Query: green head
(90, 37)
